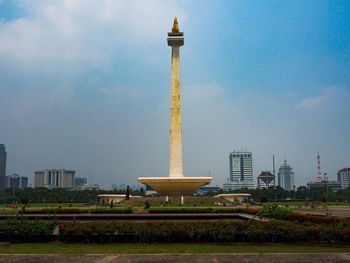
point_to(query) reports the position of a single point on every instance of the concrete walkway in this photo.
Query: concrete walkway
(183, 258)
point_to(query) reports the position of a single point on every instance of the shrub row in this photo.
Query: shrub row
(225, 231)
(111, 211)
(202, 210)
(51, 211)
(77, 211)
(317, 219)
(15, 229)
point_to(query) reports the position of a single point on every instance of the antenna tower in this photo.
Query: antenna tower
(319, 173)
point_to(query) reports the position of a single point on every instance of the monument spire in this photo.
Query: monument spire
(175, 26)
(176, 184)
(175, 40)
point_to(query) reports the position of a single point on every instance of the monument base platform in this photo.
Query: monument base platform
(175, 186)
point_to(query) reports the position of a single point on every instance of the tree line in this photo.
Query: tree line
(43, 194)
(302, 193)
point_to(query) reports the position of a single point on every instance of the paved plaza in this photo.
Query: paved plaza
(185, 258)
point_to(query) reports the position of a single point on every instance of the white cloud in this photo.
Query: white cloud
(310, 102)
(85, 30)
(327, 95)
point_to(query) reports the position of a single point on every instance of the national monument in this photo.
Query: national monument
(176, 184)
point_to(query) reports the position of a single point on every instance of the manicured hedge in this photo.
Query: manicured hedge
(77, 211)
(51, 211)
(17, 229)
(111, 211)
(221, 231)
(202, 210)
(318, 219)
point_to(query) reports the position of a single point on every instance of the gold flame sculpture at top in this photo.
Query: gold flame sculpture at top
(175, 26)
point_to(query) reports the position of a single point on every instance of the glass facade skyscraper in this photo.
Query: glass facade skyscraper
(286, 176)
(3, 157)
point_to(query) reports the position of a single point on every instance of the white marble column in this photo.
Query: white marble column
(175, 159)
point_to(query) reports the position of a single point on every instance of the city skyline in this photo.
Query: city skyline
(255, 178)
(88, 90)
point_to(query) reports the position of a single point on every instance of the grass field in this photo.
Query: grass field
(74, 248)
(178, 205)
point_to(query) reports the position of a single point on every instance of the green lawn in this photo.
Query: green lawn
(177, 205)
(74, 248)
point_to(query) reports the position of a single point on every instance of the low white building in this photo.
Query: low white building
(88, 187)
(234, 198)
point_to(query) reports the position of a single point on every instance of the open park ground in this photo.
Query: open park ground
(175, 248)
(263, 253)
(183, 258)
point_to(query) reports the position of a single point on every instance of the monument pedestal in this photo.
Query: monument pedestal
(171, 186)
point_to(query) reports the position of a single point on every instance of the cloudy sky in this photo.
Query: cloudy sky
(85, 85)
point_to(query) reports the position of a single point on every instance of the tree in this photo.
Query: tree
(24, 200)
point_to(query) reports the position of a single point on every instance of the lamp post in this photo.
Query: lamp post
(274, 181)
(326, 191)
(13, 192)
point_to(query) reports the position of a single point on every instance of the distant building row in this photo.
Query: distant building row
(53, 178)
(241, 174)
(9, 181)
(343, 181)
(285, 178)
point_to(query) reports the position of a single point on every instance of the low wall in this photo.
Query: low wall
(177, 200)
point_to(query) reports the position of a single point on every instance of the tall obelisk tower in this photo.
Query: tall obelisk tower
(175, 40)
(176, 184)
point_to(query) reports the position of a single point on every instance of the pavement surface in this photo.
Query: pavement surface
(183, 258)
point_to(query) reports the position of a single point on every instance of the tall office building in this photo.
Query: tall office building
(15, 181)
(343, 177)
(286, 176)
(3, 157)
(53, 178)
(241, 171)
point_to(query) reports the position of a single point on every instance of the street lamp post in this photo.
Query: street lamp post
(326, 191)
(13, 192)
(274, 181)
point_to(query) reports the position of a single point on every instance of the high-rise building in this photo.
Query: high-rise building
(3, 157)
(15, 181)
(79, 181)
(343, 177)
(52, 178)
(286, 176)
(265, 180)
(241, 171)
